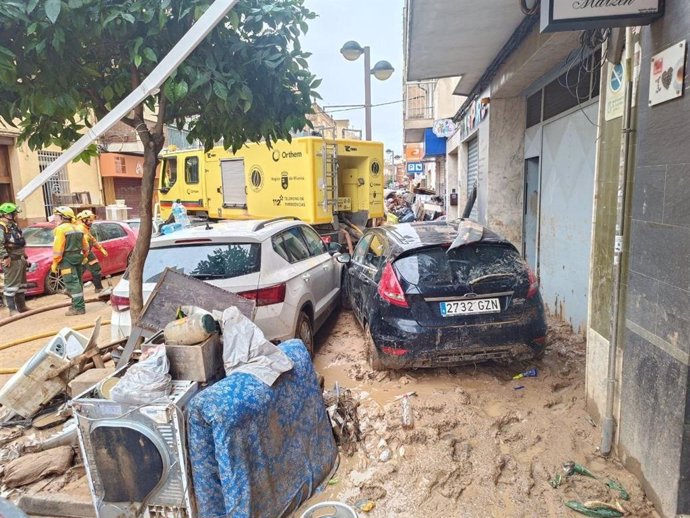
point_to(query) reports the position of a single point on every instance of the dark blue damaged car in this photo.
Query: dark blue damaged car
(443, 294)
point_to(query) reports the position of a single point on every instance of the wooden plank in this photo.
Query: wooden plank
(57, 505)
(175, 289)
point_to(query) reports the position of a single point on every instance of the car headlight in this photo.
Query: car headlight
(33, 267)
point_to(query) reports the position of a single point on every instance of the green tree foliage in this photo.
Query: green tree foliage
(66, 63)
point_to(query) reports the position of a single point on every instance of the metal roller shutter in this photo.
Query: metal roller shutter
(129, 189)
(473, 173)
(234, 189)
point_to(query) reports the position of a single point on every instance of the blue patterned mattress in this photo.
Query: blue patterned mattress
(258, 451)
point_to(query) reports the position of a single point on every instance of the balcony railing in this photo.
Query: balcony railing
(419, 100)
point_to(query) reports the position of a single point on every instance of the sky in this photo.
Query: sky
(378, 24)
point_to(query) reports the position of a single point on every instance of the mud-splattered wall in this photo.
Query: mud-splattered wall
(655, 408)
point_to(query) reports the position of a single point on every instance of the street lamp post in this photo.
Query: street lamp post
(381, 71)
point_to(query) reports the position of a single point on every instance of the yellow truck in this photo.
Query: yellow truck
(320, 181)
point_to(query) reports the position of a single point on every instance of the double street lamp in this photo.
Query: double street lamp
(381, 71)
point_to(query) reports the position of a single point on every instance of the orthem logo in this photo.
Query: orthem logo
(375, 168)
(256, 177)
(276, 155)
(284, 180)
(350, 148)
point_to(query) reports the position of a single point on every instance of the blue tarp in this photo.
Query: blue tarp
(258, 451)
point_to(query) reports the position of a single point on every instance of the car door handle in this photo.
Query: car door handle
(326, 267)
(306, 277)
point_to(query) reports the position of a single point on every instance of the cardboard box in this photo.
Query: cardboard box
(202, 362)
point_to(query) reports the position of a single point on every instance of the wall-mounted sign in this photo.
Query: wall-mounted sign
(476, 114)
(414, 151)
(615, 92)
(443, 128)
(576, 15)
(415, 168)
(667, 74)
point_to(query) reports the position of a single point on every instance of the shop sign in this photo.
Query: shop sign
(667, 74)
(577, 15)
(476, 114)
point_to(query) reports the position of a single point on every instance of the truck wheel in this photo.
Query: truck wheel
(305, 332)
(373, 355)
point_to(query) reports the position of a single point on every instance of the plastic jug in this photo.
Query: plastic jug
(180, 213)
(190, 330)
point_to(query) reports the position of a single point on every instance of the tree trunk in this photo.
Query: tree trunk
(153, 143)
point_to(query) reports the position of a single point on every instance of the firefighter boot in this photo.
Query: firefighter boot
(97, 282)
(11, 304)
(20, 301)
(73, 311)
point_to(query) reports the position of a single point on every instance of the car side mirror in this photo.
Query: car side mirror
(334, 248)
(343, 258)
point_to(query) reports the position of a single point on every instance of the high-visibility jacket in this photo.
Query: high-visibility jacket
(90, 238)
(70, 242)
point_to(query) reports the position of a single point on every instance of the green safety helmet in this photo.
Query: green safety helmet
(9, 208)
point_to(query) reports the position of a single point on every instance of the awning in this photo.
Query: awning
(433, 146)
(457, 37)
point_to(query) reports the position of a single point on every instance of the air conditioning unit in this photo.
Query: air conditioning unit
(136, 456)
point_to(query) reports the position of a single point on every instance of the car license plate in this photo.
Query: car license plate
(470, 307)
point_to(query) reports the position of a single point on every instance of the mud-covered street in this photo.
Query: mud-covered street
(480, 446)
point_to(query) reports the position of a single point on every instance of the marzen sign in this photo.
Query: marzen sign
(573, 15)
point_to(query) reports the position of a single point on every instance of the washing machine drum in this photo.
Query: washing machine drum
(131, 461)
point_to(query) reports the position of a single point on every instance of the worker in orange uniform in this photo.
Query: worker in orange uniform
(85, 220)
(70, 252)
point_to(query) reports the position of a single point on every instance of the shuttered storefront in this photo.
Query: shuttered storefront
(129, 189)
(473, 173)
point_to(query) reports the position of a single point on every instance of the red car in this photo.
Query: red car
(116, 237)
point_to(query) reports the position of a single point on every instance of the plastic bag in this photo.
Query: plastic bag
(245, 349)
(146, 381)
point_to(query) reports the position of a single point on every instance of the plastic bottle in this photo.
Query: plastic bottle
(180, 213)
(407, 417)
(170, 228)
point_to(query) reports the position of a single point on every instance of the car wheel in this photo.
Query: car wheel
(344, 293)
(305, 332)
(54, 283)
(373, 355)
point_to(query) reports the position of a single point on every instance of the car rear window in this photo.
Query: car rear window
(431, 267)
(205, 262)
(39, 236)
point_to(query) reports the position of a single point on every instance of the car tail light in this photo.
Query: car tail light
(393, 351)
(390, 289)
(119, 304)
(326, 240)
(266, 296)
(533, 284)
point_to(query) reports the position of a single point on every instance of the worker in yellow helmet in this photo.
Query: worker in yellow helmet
(70, 252)
(84, 220)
